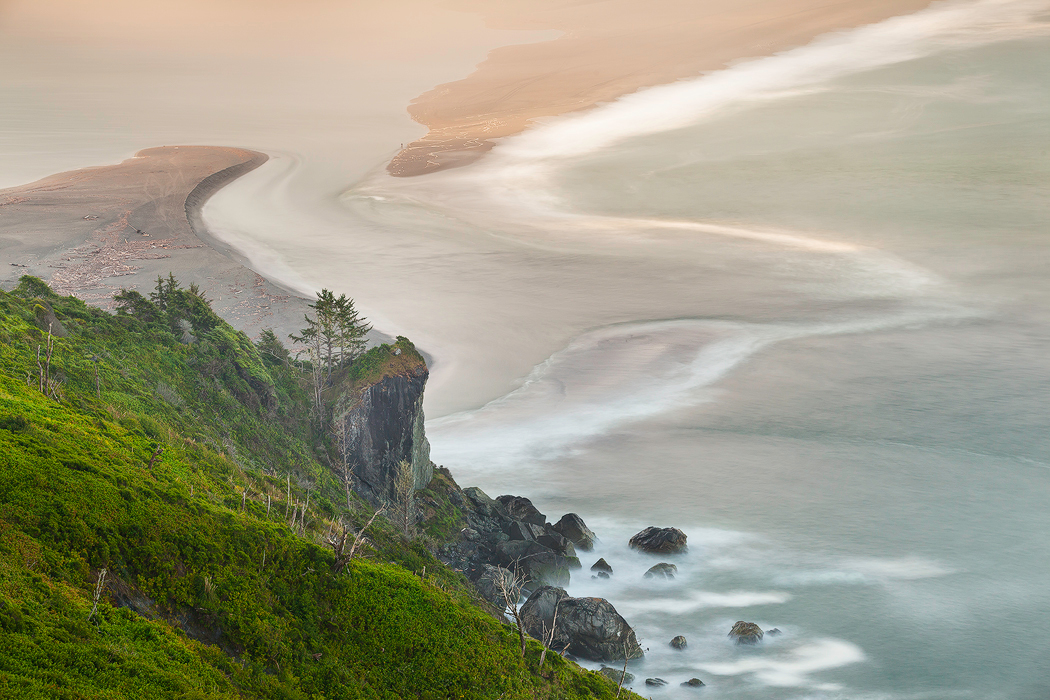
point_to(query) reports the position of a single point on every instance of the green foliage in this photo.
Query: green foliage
(212, 592)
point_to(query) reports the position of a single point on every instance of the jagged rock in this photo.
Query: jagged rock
(587, 627)
(489, 584)
(484, 505)
(746, 632)
(662, 570)
(535, 563)
(517, 530)
(602, 565)
(773, 632)
(693, 683)
(655, 682)
(601, 574)
(615, 674)
(572, 527)
(557, 543)
(679, 642)
(660, 540)
(521, 508)
(470, 534)
(538, 611)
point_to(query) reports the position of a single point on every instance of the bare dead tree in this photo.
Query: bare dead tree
(156, 455)
(510, 588)
(98, 379)
(626, 658)
(339, 425)
(288, 498)
(548, 636)
(404, 492)
(100, 586)
(338, 545)
(47, 384)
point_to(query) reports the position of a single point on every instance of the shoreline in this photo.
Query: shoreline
(607, 50)
(91, 231)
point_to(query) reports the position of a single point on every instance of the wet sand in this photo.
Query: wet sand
(609, 49)
(92, 231)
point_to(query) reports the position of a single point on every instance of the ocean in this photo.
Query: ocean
(798, 308)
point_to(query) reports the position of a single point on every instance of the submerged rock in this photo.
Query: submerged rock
(586, 627)
(679, 642)
(693, 683)
(601, 574)
(615, 674)
(572, 527)
(773, 632)
(656, 682)
(601, 565)
(746, 632)
(660, 540)
(662, 570)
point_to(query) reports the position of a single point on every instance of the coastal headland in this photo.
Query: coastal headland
(608, 49)
(92, 231)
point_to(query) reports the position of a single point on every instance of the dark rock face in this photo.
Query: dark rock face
(489, 584)
(602, 575)
(773, 632)
(662, 570)
(572, 527)
(679, 642)
(660, 540)
(536, 564)
(511, 533)
(655, 682)
(382, 429)
(693, 683)
(586, 627)
(521, 508)
(746, 633)
(615, 674)
(602, 565)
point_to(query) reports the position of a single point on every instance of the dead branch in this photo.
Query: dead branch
(339, 543)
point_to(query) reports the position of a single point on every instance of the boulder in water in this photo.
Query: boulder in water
(679, 642)
(660, 540)
(773, 632)
(601, 565)
(534, 563)
(662, 570)
(746, 633)
(572, 527)
(655, 682)
(615, 674)
(586, 627)
(693, 683)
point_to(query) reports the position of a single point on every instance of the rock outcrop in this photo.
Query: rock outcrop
(662, 570)
(660, 540)
(509, 532)
(679, 642)
(494, 583)
(746, 633)
(655, 682)
(602, 566)
(380, 420)
(572, 527)
(693, 683)
(586, 627)
(616, 675)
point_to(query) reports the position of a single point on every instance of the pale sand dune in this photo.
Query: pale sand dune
(609, 48)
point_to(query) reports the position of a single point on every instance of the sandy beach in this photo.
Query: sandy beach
(92, 231)
(608, 49)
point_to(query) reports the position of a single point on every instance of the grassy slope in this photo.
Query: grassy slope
(77, 494)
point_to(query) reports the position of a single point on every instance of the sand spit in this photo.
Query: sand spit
(609, 49)
(90, 232)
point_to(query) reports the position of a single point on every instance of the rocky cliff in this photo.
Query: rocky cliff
(379, 420)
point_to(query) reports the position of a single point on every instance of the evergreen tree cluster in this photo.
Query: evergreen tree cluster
(336, 336)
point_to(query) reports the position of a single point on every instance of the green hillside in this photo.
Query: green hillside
(164, 447)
